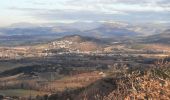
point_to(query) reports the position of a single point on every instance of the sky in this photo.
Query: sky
(67, 11)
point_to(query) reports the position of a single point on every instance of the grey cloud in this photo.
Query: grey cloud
(73, 15)
(86, 15)
(55, 14)
(164, 4)
(118, 1)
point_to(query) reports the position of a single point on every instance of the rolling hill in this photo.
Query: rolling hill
(110, 30)
(163, 38)
(80, 43)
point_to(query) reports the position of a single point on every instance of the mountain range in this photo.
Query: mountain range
(163, 38)
(28, 34)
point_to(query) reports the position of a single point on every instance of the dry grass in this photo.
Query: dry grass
(75, 81)
(150, 84)
(157, 47)
(154, 84)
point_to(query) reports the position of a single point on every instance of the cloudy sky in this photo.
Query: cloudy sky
(47, 11)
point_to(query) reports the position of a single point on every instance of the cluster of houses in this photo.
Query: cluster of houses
(61, 44)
